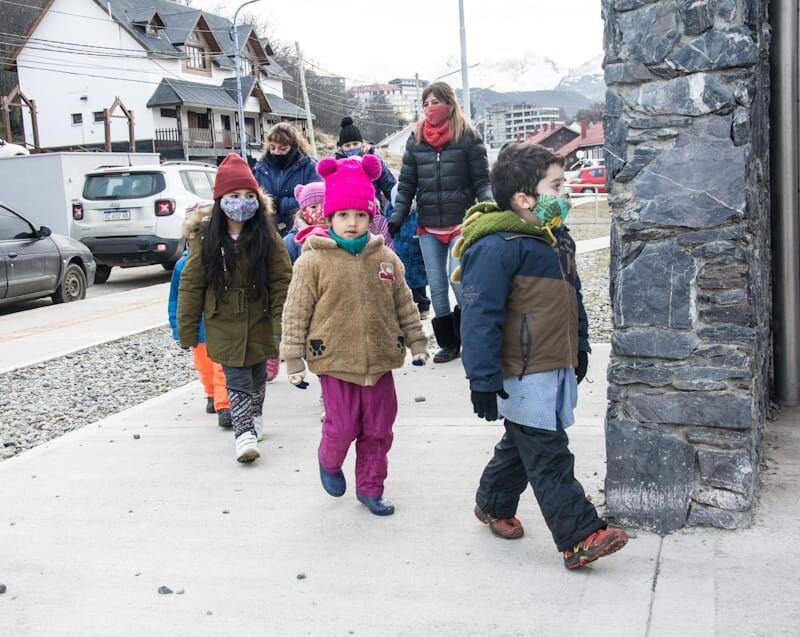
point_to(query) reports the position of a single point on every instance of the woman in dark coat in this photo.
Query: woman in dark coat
(286, 163)
(446, 170)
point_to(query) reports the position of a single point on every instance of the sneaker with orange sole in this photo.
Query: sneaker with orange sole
(599, 544)
(506, 528)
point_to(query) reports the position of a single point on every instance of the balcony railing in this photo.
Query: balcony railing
(201, 138)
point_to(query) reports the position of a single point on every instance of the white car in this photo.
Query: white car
(7, 149)
(133, 215)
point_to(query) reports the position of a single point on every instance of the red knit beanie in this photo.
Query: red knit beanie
(233, 173)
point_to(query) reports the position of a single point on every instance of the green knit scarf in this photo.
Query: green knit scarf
(486, 218)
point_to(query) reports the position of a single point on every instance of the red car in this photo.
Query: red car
(589, 180)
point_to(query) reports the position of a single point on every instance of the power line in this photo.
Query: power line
(88, 17)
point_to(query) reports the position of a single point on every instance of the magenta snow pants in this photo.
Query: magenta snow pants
(363, 414)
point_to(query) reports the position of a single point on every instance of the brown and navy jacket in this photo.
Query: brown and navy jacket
(523, 310)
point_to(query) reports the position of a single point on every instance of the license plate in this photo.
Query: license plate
(116, 215)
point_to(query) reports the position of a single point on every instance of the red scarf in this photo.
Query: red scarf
(437, 136)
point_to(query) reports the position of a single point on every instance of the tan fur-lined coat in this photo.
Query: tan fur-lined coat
(349, 316)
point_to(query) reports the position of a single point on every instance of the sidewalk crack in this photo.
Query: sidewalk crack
(653, 587)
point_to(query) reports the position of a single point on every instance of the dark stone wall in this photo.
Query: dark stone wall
(687, 151)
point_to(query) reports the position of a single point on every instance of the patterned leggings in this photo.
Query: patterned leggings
(246, 389)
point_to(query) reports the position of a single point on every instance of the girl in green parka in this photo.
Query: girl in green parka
(237, 276)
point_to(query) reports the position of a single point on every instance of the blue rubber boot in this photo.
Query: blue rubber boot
(376, 504)
(333, 483)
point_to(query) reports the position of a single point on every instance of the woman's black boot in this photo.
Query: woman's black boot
(444, 328)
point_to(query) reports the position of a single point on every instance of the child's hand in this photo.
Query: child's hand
(297, 372)
(420, 359)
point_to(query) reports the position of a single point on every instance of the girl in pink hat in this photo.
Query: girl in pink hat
(350, 316)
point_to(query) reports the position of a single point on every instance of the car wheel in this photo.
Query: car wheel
(588, 191)
(102, 273)
(169, 266)
(73, 287)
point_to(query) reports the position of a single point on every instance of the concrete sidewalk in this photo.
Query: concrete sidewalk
(32, 336)
(36, 335)
(93, 523)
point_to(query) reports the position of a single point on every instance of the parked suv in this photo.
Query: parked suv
(131, 216)
(589, 180)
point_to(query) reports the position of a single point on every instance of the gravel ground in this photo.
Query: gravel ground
(43, 401)
(593, 270)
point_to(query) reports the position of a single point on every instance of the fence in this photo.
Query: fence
(582, 197)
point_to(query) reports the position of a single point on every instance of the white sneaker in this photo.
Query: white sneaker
(247, 447)
(258, 424)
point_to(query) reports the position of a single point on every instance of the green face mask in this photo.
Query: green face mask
(550, 207)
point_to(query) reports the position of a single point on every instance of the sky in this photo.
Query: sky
(373, 40)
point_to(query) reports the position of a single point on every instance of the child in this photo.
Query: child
(525, 339)
(236, 276)
(309, 197)
(406, 245)
(210, 373)
(349, 313)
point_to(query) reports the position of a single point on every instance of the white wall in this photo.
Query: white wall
(59, 79)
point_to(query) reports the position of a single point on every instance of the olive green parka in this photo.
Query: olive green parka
(239, 331)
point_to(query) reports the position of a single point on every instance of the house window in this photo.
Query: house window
(152, 29)
(170, 113)
(196, 58)
(245, 66)
(77, 118)
(99, 116)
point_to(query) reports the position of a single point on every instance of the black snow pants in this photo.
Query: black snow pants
(541, 457)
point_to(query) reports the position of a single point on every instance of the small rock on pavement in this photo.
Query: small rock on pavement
(164, 590)
(301, 576)
(208, 612)
(419, 399)
(180, 591)
(2, 588)
(136, 436)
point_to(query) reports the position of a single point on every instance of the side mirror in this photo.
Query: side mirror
(43, 232)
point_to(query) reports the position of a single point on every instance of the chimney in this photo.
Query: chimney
(584, 128)
(552, 125)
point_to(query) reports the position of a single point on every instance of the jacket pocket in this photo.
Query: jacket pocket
(525, 343)
(210, 306)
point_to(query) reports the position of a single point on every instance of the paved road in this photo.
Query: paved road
(93, 523)
(121, 280)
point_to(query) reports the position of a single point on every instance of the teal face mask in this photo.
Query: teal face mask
(549, 207)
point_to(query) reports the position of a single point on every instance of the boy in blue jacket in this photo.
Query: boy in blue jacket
(211, 374)
(525, 346)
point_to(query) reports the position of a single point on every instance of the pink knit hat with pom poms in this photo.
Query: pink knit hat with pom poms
(348, 183)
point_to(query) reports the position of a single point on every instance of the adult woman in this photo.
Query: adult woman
(286, 163)
(445, 168)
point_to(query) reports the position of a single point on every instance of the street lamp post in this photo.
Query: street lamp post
(465, 97)
(238, 70)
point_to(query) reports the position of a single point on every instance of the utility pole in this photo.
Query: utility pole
(237, 65)
(465, 101)
(309, 121)
(416, 103)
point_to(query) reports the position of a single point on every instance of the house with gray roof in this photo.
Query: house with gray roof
(171, 66)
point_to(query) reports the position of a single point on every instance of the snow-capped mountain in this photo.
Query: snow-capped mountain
(587, 80)
(534, 72)
(531, 72)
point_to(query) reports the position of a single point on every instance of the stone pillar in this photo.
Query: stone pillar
(687, 152)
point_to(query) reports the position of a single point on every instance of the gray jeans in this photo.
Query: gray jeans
(246, 379)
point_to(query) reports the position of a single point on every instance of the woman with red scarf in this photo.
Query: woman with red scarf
(445, 168)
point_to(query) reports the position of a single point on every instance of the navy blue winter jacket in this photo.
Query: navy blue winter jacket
(384, 183)
(280, 184)
(523, 310)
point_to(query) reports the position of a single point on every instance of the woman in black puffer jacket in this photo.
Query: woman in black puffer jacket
(445, 168)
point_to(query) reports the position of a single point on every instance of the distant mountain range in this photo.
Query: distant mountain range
(536, 80)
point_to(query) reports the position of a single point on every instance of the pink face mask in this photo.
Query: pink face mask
(436, 114)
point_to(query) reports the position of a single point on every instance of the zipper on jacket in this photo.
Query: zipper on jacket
(525, 340)
(566, 292)
(439, 188)
(364, 305)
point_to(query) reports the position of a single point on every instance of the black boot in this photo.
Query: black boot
(445, 331)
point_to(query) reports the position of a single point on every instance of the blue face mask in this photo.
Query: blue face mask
(239, 209)
(353, 152)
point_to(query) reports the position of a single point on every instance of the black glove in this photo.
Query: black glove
(394, 227)
(484, 403)
(583, 366)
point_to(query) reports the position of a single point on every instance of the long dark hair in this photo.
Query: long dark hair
(221, 254)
